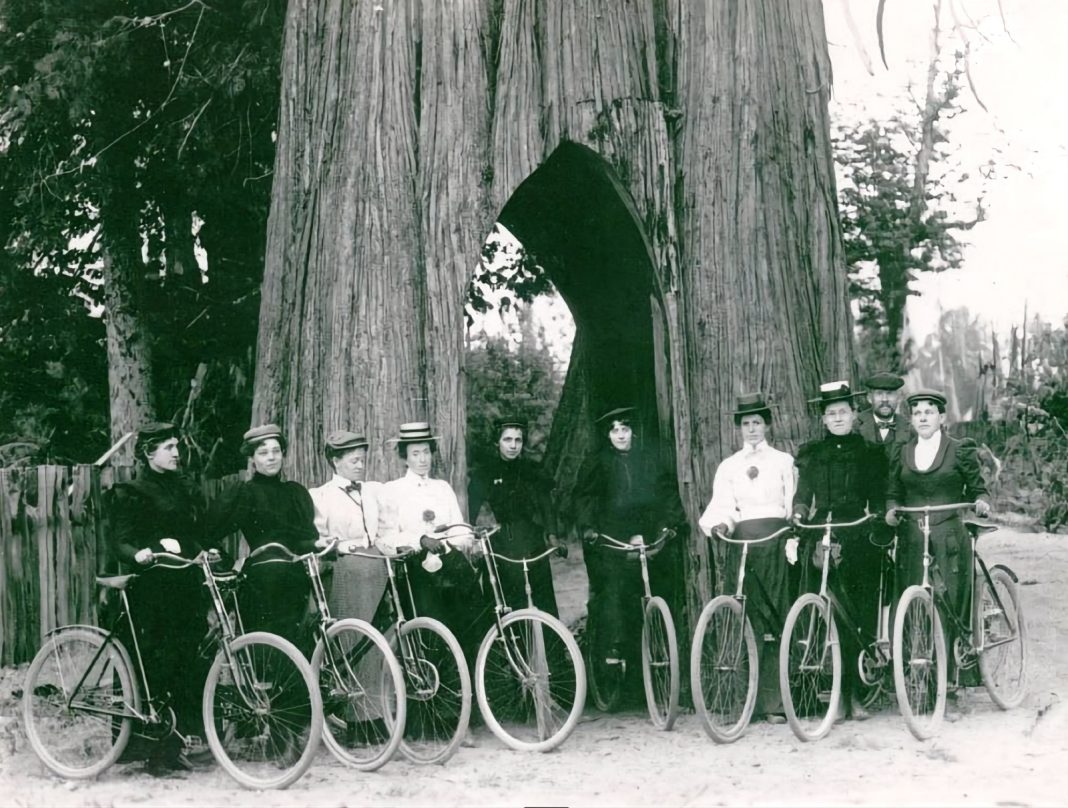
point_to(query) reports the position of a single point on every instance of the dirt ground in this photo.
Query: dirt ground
(987, 758)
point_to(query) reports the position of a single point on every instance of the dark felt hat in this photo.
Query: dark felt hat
(884, 380)
(833, 392)
(618, 414)
(751, 404)
(414, 432)
(342, 439)
(509, 423)
(155, 432)
(927, 394)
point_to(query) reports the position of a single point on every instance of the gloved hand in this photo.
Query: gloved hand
(171, 546)
(722, 529)
(797, 518)
(891, 517)
(431, 544)
(791, 549)
(323, 542)
(589, 535)
(561, 547)
(982, 507)
(143, 556)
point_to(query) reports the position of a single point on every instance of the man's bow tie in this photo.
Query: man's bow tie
(357, 487)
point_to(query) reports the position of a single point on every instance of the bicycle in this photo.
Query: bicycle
(84, 694)
(359, 678)
(810, 659)
(660, 649)
(724, 664)
(529, 678)
(437, 683)
(995, 621)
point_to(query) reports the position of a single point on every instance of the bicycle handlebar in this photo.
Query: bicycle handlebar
(478, 532)
(531, 560)
(775, 535)
(291, 557)
(627, 547)
(825, 525)
(925, 509)
(182, 562)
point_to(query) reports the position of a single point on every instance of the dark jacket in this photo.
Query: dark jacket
(626, 493)
(953, 477)
(265, 509)
(151, 507)
(899, 433)
(841, 475)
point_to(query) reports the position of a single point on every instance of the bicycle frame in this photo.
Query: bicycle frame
(739, 594)
(642, 550)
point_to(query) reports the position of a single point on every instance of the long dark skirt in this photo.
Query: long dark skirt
(274, 598)
(769, 594)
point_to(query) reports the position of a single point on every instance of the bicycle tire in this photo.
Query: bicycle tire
(74, 744)
(919, 652)
(362, 689)
(437, 687)
(530, 681)
(1002, 637)
(723, 659)
(660, 664)
(269, 743)
(810, 668)
(605, 682)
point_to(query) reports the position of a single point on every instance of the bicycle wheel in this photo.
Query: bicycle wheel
(437, 685)
(660, 664)
(263, 716)
(78, 702)
(530, 681)
(724, 669)
(362, 688)
(919, 662)
(810, 668)
(1001, 638)
(605, 680)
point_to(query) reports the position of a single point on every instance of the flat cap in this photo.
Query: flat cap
(927, 394)
(509, 423)
(884, 380)
(341, 439)
(262, 433)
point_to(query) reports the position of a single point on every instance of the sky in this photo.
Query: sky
(1019, 255)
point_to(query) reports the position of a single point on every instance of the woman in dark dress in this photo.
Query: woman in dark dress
(626, 492)
(155, 513)
(266, 508)
(520, 497)
(842, 475)
(936, 469)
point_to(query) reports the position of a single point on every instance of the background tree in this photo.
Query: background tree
(144, 130)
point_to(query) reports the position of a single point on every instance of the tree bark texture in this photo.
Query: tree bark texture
(668, 161)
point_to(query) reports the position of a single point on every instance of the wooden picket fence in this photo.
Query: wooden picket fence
(53, 537)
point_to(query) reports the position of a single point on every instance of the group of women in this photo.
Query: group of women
(624, 489)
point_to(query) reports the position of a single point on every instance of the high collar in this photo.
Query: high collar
(935, 439)
(749, 449)
(342, 482)
(263, 479)
(411, 475)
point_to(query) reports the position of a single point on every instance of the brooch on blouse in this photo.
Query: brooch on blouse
(752, 472)
(498, 481)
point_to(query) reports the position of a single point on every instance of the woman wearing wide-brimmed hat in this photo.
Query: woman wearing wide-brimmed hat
(936, 469)
(266, 508)
(157, 513)
(415, 505)
(844, 475)
(752, 495)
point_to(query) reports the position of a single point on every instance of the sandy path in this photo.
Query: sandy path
(988, 758)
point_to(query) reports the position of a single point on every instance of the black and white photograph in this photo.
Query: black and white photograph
(533, 403)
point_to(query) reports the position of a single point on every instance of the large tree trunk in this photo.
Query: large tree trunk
(670, 161)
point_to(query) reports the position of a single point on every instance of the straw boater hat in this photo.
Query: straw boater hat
(832, 393)
(883, 380)
(751, 404)
(414, 432)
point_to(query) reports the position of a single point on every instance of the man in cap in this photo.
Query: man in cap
(520, 499)
(626, 492)
(883, 426)
(842, 476)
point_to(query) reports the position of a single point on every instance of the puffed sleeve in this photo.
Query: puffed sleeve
(588, 492)
(968, 466)
(304, 532)
(805, 494)
(224, 514)
(722, 507)
(477, 492)
(876, 477)
(122, 506)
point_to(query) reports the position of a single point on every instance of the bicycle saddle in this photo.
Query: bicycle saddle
(115, 581)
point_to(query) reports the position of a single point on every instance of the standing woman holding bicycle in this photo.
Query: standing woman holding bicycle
(266, 508)
(154, 513)
(752, 497)
(936, 469)
(842, 476)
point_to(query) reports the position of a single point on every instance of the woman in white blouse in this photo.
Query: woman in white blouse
(751, 497)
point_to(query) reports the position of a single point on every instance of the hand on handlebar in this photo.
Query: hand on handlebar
(430, 544)
(982, 507)
(171, 546)
(891, 517)
(144, 556)
(559, 546)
